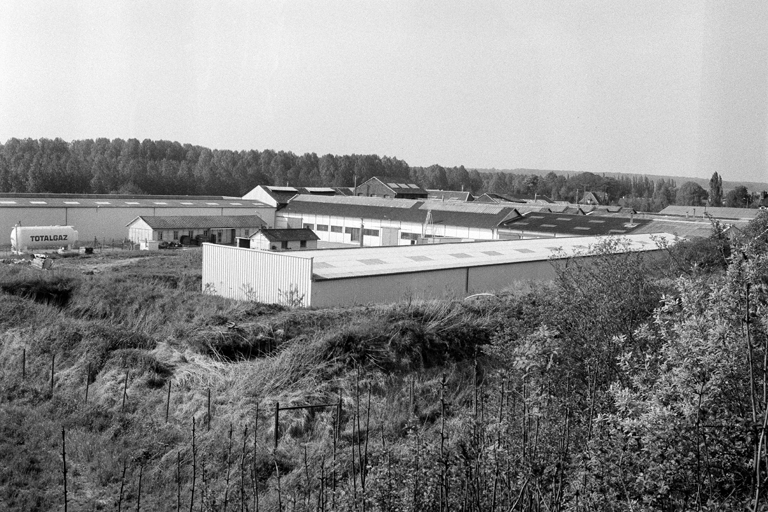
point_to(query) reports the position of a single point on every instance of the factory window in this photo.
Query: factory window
(205, 233)
(191, 234)
(175, 235)
(322, 227)
(283, 245)
(159, 235)
(335, 229)
(371, 232)
(309, 226)
(303, 243)
(409, 236)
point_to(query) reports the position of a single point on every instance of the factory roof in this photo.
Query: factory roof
(576, 225)
(716, 212)
(396, 185)
(287, 235)
(486, 216)
(122, 201)
(450, 195)
(200, 221)
(368, 261)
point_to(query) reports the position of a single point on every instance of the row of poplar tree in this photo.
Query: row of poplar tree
(169, 168)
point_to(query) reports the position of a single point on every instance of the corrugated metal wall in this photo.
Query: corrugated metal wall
(247, 274)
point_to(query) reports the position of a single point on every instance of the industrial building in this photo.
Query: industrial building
(374, 221)
(105, 216)
(345, 277)
(222, 229)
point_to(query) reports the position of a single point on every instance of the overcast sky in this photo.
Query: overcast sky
(674, 87)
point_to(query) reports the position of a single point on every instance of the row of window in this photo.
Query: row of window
(191, 234)
(338, 229)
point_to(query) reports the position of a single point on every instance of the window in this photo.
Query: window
(191, 234)
(303, 243)
(159, 235)
(283, 245)
(205, 232)
(175, 235)
(335, 229)
(371, 232)
(245, 233)
(322, 227)
(409, 236)
(309, 226)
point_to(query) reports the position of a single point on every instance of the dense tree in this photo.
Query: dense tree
(715, 190)
(739, 197)
(691, 194)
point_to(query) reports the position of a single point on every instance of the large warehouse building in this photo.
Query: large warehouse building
(345, 277)
(106, 216)
(385, 222)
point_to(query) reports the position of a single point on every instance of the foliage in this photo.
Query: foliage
(612, 388)
(691, 193)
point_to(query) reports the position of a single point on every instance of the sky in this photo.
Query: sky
(656, 87)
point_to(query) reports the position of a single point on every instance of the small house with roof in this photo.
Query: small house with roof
(185, 229)
(393, 188)
(597, 198)
(282, 240)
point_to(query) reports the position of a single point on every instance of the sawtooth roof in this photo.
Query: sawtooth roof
(287, 235)
(576, 225)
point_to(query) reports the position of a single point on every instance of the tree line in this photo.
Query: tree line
(164, 167)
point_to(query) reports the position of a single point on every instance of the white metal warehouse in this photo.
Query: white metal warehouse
(344, 277)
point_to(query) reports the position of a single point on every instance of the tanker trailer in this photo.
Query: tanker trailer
(39, 237)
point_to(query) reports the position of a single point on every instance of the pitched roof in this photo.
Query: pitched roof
(486, 216)
(287, 235)
(450, 195)
(398, 185)
(200, 221)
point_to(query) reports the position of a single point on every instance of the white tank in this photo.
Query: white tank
(35, 237)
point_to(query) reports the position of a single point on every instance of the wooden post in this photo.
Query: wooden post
(209, 409)
(53, 364)
(122, 486)
(194, 466)
(64, 460)
(138, 494)
(125, 390)
(168, 402)
(178, 481)
(277, 421)
(87, 381)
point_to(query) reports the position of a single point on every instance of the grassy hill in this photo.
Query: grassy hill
(159, 396)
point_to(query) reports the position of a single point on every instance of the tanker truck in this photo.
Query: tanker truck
(40, 237)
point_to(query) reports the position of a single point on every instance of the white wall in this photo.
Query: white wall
(282, 220)
(248, 274)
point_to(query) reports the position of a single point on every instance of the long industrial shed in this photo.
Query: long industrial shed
(345, 277)
(105, 216)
